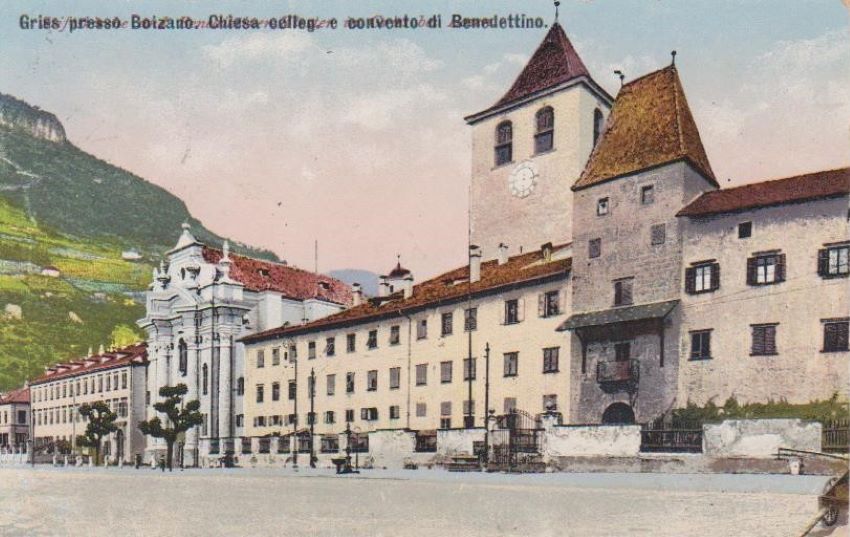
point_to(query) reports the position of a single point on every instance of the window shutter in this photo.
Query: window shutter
(627, 293)
(521, 309)
(541, 305)
(751, 271)
(758, 340)
(780, 268)
(715, 276)
(690, 280)
(823, 262)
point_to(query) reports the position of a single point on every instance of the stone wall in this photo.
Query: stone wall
(760, 438)
(458, 441)
(592, 441)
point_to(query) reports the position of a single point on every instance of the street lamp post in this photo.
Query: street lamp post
(312, 415)
(486, 402)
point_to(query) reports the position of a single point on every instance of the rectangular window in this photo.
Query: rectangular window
(602, 207)
(764, 340)
(421, 410)
(331, 384)
(293, 352)
(108, 386)
(658, 234)
(260, 390)
(511, 364)
(549, 304)
(123, 382)
(470, 319)
(446, 408)
(372, 380)
(421, 374)
(468, 407)
(745, 230)
(623, 292)
(834, 262)
(702, 278)
(835, 336)
(511, 311)
(311, 350)
(550, 359)
(469, 369)
(766, 269)
(351, 343)
(647, 194)
(349, 415)
(622, 351)
(368, 414)
(329, 417)
(349, 382)
(395, 412)
(395, 378)
(395, 334)
(261, 359)
(701, 345)
(510, 404)
(447, 324)
(292, 389)
(445, 372)
(445, 423)
(276, 391)
(330, 346)
(372, 340)
(422, 329)
(550, 403)
(276, 356)
(594, 248)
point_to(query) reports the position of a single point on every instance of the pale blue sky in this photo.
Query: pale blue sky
(365, 146)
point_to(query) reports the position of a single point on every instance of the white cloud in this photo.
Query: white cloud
(257, 46)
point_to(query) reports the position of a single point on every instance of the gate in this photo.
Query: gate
(516, 440)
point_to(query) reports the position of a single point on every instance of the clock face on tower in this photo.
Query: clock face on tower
(523, 179)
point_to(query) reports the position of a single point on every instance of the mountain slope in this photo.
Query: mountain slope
(64, 188)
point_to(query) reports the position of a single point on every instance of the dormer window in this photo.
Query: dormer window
(504, 143)
(263, 272)
(545, 132)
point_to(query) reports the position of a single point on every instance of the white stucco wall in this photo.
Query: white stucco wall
(592, 441)
(760, 438)
(458, 441)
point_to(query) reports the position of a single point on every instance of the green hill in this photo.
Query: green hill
(61, 207)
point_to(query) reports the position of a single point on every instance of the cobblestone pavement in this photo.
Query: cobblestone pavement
(433, 503)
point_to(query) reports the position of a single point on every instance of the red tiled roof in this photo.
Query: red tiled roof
(451, 286)
(650, 124)
(554, 62)
(291, 282)
(21, 395)
(824, 184)
(132, 354)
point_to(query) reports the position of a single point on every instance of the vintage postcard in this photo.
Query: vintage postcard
(431, 268)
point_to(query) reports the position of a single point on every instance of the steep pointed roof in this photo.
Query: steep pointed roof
(555, 62)
(650, 124)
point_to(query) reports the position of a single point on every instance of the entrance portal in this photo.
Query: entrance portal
(618, 414)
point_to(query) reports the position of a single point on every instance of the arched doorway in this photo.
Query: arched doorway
(618, 414)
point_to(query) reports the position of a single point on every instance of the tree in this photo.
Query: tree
(181, 417)
(101, 422)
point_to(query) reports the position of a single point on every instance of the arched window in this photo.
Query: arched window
(183, 357)
(240, 386)
(205, 378)
(504, 143)
(597, 125)
(544, 134)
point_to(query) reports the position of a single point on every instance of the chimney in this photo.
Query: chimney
(503, 253)
(547, 252)
(357, 294)
(383, 287)
(408, 286)
(474, 263)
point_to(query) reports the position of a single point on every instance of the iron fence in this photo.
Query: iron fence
(835, 437)
(671, 437)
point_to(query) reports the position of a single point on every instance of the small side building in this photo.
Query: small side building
(15, 419)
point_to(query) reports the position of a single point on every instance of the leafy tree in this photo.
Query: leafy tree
(101, 422)
(181, 417)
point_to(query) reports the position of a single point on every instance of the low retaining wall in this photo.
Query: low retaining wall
(759, 438)
(458, 441)
(592, 441)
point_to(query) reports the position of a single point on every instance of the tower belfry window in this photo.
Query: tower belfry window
(504, 143)
(545, 132)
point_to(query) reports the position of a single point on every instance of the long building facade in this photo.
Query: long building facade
(116, 377)
(15, 419)
(201, 302)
